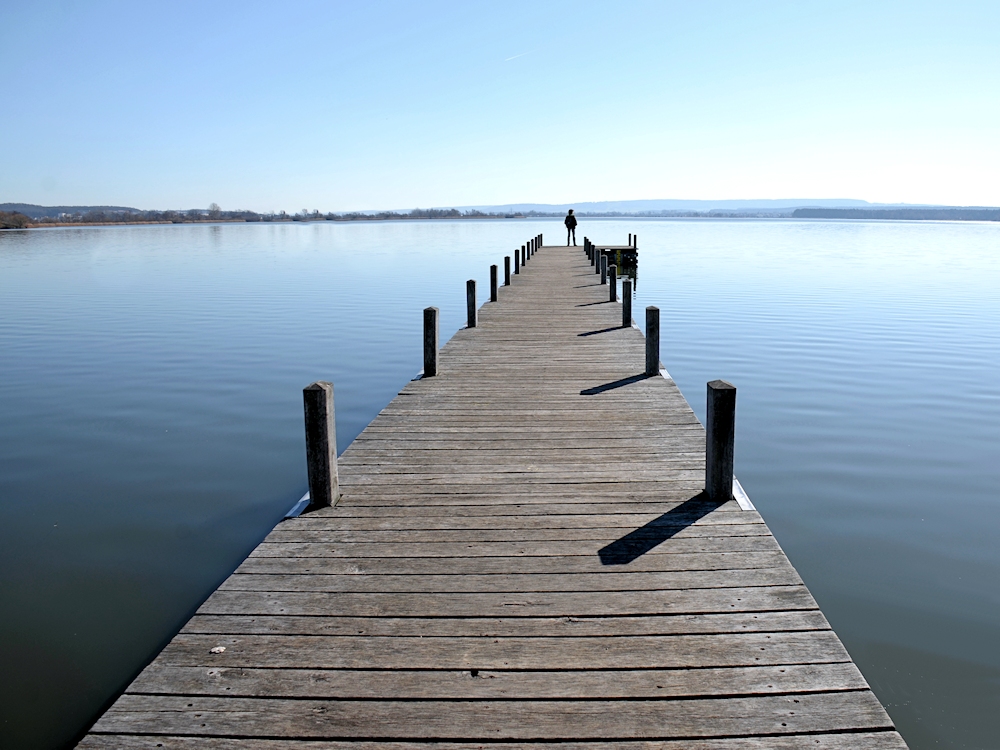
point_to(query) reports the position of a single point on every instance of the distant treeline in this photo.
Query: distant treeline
(941, 214)
(45, 216)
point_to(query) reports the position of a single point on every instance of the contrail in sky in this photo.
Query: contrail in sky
(515, 57)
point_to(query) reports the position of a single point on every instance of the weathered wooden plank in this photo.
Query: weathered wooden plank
(551, 604)
(511, 582)
(500, 720)
(683, 545)
(737, 561)
(612, 523)
(495, 627)
(581, 652)
(442, 536)
(484, 684)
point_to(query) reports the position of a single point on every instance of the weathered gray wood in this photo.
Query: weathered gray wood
(321, 444)
(471, 307)
(626, 303)
(720, 426)
(549, 604)
(484, 581)
(509, 626)
(538, 653)
(347, 684)
(502, 720)
(431, 348)
(882, 740)
(613, 283)
(502, 566)
(510, 582)
(493, 284)
(652, 340)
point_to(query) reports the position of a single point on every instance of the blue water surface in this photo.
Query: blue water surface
(151, 431)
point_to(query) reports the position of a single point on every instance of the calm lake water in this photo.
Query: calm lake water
(151, 431)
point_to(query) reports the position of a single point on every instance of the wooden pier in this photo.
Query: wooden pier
(522, 557)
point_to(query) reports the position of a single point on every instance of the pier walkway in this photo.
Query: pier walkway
(521, 558)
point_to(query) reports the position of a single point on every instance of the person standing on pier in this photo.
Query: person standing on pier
(570, 223)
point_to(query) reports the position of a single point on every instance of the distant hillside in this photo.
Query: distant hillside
(969, 213)
(39, 212)
(671, 206)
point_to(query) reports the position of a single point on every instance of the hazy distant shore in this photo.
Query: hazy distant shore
(27, 216)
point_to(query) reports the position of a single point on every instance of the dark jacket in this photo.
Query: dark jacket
(570, 221)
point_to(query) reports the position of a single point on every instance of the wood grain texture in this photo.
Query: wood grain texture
(522, 556)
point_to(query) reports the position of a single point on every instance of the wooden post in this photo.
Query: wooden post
(604, 269)
(524, 257)
(321, 444)
(470, 304)
(506, 271)
(720, 428)
(517, 262)
(430, 342)
(652, 340)
(626, 303)
(630, 239)
(541, 239)
(635, 240)
(597, 260)
(613, 282)
(493, 284)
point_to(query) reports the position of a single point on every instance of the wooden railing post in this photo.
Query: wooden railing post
(604, 268)
(652, 340)
(626, 303)
(430, 342)
(630, 239)
(493, 283)
(517, 262)
(321, 444)
(635, 240)
(720, 429)
(613, 283)
(470, 304)
(597, 260)
(524, 255)
(506, 270)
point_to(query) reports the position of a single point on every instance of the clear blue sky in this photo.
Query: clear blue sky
(359, 105)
